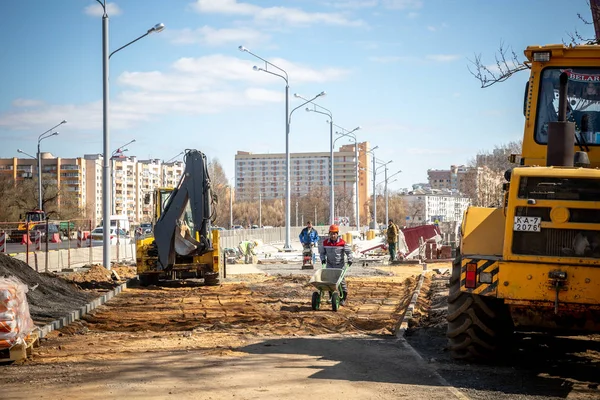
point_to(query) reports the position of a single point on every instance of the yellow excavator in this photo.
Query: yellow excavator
(534, 264)
(181, 244)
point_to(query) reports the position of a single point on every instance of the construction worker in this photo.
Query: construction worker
(309, 236)
(392, 239)
(332, 254)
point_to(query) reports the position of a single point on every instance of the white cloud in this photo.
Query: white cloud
(96, 10)
(209, 36)
(413, 15)
(355, 4)
(385, 59)
(26, 103)
(271, 15)
(443, 57)
(431, 28)
(192, 86)
(402, 4)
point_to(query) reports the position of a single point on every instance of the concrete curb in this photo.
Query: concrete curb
(402, 326)
(77, 314)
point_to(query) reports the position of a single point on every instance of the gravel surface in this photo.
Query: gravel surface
(49, 296)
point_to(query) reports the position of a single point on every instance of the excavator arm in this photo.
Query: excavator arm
(182, 228)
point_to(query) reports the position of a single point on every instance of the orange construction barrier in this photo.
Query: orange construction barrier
(2, 242)
(55, 238)
(79, 239)
(25, 239)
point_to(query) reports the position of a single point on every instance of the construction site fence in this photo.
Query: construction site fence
(78, 249)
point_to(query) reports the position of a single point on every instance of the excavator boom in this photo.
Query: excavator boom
(183, 225)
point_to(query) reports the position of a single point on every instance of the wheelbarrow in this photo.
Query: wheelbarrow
(328, 280)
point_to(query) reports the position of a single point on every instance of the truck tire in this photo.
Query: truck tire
(479, 327)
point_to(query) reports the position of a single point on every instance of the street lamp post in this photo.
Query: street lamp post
(288, 117)
(43, 136)
(106, 201)
(230, 207)
(374, 187)
(119, 150)
(351, 135)
(172, 158)
(260, 210)
(387, 178)
(331, 158)
(372, 151)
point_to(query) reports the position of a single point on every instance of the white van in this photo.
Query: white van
(122, 221)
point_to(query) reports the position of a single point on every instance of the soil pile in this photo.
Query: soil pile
(49, 296)
(98, 277)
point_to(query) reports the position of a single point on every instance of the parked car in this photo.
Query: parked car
(145, 228)
(52, 229)
(219, 228)
(120, 235)
(254, 227)
(237, 227)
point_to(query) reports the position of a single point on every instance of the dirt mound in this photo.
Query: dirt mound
(98, 277)
(49, 296)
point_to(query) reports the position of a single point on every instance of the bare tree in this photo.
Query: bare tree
(507, 63)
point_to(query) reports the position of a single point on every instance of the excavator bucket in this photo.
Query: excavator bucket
(184, 242)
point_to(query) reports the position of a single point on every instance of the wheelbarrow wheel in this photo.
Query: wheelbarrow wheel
(335, 301)
(316, 300)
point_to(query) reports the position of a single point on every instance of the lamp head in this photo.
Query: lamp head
(54, 134)
(376, 147)
(322, 94)
(19, 151)
(157, 28)
(357, 128)
(64, 121)
(242, 48)
(296, 95)
(307, 109)
(256, 68)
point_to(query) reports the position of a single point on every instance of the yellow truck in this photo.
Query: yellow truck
(534, 264)
(182, 244)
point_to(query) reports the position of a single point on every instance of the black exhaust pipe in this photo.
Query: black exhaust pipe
(561, 134)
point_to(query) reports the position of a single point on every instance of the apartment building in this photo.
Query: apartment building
(432, 207)
(455, 178)
(68, 173)
(131, 179)
(264, 174)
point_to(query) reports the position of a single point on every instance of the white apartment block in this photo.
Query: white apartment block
(423, 208)
(131, 179)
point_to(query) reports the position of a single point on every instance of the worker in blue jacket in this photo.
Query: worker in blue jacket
(309, 236)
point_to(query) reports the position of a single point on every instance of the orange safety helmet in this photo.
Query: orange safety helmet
(334, 228)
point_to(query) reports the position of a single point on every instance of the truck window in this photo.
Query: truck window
(583, 102)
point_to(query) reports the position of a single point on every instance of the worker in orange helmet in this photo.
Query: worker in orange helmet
(332, 254)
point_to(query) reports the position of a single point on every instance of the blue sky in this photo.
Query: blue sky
(397, 68)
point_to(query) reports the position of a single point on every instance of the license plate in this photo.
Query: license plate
(527, 224)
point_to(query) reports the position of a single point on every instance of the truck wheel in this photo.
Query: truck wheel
(479, 327)
(211, 279)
